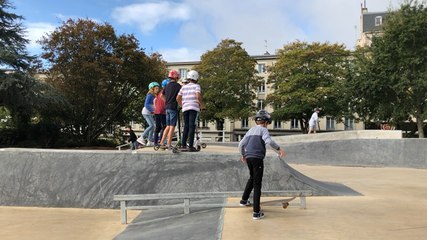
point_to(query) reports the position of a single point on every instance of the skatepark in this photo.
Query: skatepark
(363, 188)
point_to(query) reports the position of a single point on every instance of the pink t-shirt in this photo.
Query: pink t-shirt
(159, 106)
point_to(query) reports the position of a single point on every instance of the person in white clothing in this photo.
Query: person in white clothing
(190, 99)
(313, 121)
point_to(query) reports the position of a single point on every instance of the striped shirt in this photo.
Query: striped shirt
(189, 97)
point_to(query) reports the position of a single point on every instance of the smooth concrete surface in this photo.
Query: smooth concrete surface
(340, 135)
(89, 179)
(31, 223)
(361, 152)
(393, 206)
(202, 223)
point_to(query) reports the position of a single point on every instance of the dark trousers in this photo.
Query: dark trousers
(160, 126)
(256, 170)
(190, 123)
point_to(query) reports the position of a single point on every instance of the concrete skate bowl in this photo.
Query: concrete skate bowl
(89, 179)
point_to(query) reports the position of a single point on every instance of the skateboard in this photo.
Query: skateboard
(162, 147)
(281, 202)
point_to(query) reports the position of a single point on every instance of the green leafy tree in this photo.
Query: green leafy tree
(15, 83)
(228, 80)
(393, 77)
(307, 76)
(363, 93)
(99, 73)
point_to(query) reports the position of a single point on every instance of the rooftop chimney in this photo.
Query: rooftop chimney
(363, 7)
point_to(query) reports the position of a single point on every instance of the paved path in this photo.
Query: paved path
(394, 206)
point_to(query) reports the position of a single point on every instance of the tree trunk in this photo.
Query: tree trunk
(420, 125)
(304, 127)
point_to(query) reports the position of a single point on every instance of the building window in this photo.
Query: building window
(349, 124)
(245, 123)
(277, 124)
(183, 73)
(294, 123)
(261, 68)
(261, 88)
(330, 123)
(203, 124)
(260, 104)
(378, 21)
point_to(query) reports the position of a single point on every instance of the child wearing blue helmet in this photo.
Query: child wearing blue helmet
(147, 113)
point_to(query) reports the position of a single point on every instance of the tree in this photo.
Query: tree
(228, 80)
(370, 100)
(396, 71)
(15, 83)
(98, 72)
(306, 76)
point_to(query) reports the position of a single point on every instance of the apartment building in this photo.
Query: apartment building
(234, 130)
(371, 23)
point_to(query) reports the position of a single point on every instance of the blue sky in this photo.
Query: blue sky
(183, 30)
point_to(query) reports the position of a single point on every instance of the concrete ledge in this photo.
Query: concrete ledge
(408, 152)
(342, 135)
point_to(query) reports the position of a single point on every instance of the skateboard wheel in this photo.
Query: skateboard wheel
(285, 205)
(156, 148)
(203, 145)
(175, 150)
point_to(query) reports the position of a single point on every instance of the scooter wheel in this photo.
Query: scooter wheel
(156, 148)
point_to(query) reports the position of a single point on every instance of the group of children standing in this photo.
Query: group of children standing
(161, 111)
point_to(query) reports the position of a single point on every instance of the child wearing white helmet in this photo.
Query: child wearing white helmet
(147, 113)
(191, 101)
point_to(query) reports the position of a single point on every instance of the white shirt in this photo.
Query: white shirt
(313, 120)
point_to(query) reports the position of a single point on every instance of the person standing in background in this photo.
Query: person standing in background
(313, 121)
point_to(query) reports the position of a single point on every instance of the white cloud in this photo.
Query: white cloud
(259, 25)
(149, 15)
(181, 54)
(35, 31)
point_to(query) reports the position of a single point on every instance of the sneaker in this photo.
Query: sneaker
(257, 215)
(141, 141)
(246, 203)
(150, 144)
(192, 149)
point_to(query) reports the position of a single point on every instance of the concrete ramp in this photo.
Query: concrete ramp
(89, 179)
(302, 181)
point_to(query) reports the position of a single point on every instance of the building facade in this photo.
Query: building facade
(234, 130)
(371, 24)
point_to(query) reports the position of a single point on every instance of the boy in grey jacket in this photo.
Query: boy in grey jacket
(252, 148)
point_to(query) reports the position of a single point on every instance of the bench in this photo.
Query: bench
(197, 195)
